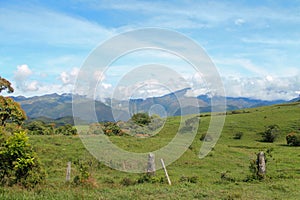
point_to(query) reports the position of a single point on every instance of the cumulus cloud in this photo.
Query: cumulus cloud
(69, 77)
(266, 88)
(21, 77)
(22, 73)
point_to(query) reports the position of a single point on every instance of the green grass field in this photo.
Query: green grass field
(229, 157)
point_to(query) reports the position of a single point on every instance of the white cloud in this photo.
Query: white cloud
(33, 86)
(69, 77)
(239, 22)
(22, 79)
(22, 72)
(266, 88)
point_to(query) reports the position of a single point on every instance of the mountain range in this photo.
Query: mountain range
(56, 106)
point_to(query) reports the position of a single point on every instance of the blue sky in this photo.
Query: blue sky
(255, 45)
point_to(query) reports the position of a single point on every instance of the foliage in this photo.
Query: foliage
(271, 133)
(18, 161)
(10, 111)
(131, 127)
(5, 85)
(230, 155)
(112, 128)
(293, 139)
(141, 119)
(148, 178)
(66, 130)
(84, 174)
(39, 128)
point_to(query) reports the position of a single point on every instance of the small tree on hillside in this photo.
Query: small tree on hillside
(271, 133)
(141, 119)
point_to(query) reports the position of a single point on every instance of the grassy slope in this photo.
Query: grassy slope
(229, 155)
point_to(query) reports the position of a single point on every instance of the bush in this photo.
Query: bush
(148, 178)
(293, 139)
(112, 128)
(66, 130)
(18, 162)
(270, 134)
(238, 135)
(39, 128)
(141, 119)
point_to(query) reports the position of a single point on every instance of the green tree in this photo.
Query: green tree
(112, 128)
(5, 85)
(18, 162)
(39, 128)
(66, 130)
(10, 111)
(271, 133)
(141, 119)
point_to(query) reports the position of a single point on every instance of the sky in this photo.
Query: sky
(254, 45)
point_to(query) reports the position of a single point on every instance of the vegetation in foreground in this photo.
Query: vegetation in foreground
(228, 172)
(224, 174)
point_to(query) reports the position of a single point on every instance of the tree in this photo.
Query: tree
(271, 133)
(18, 161)
(39, 128)
(141, 119)
(9, 109)
(5, 85)
(66, 130)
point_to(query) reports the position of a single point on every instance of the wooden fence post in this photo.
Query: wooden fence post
(151, 164)
(261, 165)
(165, 169)
(68, 174)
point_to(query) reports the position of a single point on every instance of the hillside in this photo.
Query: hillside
(57, 106)
(223, 174)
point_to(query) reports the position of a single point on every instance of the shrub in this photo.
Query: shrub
(39, 128)
(293, 139)
(141, 119)
(238, 135)
(18, 162)
(112, 128)
(270, 134)
(148, 178)
(66, 130)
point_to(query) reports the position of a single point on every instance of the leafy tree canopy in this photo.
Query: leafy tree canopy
(5, 85)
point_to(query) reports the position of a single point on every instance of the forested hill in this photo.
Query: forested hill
(57, 106)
